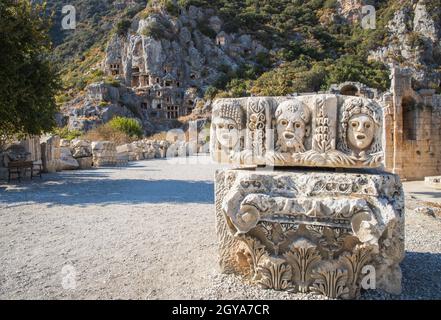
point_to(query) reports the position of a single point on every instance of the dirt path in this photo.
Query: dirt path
(145, 232)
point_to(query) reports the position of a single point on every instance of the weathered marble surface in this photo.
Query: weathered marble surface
(310, 231)
(104, 153)
(318, 130)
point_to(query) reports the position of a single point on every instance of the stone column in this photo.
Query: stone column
(50, 153)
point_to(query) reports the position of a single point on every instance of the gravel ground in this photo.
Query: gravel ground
(147, 232)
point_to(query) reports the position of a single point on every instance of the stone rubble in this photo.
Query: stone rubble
(104, 153)
(67, 161)
(82, 152)
(57, 154)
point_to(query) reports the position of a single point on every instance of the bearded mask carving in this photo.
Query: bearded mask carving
(292, 126)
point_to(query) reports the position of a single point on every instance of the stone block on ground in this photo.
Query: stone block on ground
(50, 153)
(104, 153)
(67, 162)
(85, 163)
(81, 148)
(311, 231)
(433, 181)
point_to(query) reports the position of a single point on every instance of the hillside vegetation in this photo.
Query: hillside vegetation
(310, 43)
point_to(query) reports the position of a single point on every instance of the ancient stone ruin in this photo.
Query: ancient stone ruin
(104, 153)
(326, 215)
(82, 152)
(313, 130)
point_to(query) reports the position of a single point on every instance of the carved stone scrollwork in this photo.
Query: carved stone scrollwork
(302, 241)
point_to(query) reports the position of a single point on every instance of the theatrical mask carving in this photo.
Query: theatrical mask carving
(293, 126)
(318, 130)
(228, 125)
(359, 131)
(226, 131)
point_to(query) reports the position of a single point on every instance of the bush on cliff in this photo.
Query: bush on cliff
(129, 126)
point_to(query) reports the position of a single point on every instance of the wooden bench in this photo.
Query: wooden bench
(16, 167)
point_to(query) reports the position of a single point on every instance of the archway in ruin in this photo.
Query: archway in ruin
(408, 105)
(349, 90)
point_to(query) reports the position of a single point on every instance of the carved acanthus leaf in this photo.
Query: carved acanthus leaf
(275, 275)
(354, 262)
(302, 257)
(330, 282)
(256, 250)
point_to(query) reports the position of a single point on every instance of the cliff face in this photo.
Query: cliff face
(164, 63)
(170, 56)
(161, 61)
(414, 41)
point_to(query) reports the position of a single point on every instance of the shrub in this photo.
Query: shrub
(158, 136)
(112, 82)
(354, 68)
(171, 7)
(103, 104)
(289, 78)
(62, 98)
(129, 126)
(154, 30)
(123, 26)
(67, 134)
(107, 133)
(415, 39)
(210, 93)
(237, 88)
(206, 30)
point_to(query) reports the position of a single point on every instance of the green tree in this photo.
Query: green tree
(355, 68)
(297, 76)
(28, 80)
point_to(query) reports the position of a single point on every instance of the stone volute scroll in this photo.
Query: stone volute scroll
(307, 230)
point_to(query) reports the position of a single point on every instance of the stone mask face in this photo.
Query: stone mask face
(227, 133)
(291, 130)
(360, 131)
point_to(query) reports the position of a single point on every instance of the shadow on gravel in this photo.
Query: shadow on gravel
(83, 189)
(429, 193)
(421, 275)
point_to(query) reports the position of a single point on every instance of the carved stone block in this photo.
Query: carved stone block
(320, 130)
(311, 231)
